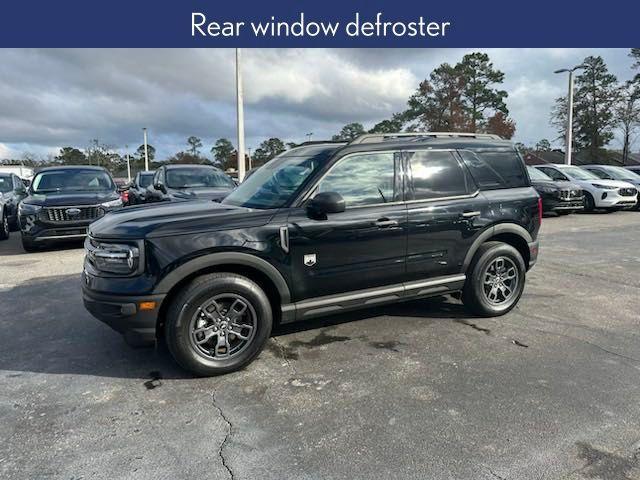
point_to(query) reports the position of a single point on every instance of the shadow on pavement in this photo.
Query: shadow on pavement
(13, 246)
(44, 328)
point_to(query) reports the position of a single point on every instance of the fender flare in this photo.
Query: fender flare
(221, 258)
(492, 231)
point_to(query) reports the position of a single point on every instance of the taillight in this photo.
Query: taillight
(540, 210)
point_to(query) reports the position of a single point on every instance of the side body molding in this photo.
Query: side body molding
(490, 232)
(222, 258)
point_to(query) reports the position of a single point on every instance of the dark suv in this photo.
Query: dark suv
(63, 201)
(321, 229)
(189, 182)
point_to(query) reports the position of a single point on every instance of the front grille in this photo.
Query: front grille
(69, 214)
(570, 194)
(627, 192)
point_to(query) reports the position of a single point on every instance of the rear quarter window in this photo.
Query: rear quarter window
(494, 169)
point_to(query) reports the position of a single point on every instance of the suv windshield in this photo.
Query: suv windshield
(5, 184)
(145, 180)
(197, 177)
(536, 174)
(73, 180)
(273, 184)
(579, 174)
(620, 173)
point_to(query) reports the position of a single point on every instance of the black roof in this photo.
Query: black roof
(171, 166)
(72, 167)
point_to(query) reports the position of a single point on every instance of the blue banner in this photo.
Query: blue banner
(208, 23)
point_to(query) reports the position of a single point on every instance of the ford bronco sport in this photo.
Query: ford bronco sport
(320, 229)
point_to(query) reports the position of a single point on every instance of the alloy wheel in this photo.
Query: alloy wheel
(500, 281)
(223, 326)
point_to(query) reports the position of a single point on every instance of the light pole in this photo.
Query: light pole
(146, 151)
(126, 147)
(240, 111)
(309, 135)
(249, 156)
(567, 155)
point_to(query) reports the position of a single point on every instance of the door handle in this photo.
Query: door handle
(475, 213)
(386, 223)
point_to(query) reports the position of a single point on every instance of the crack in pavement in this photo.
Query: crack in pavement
(494, 474)
(226, 437)
(581, 340)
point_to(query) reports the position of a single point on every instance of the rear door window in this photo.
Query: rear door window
(435, 174)
(496, 168)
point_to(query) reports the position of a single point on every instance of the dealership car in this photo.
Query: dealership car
(63, 201)
(138, 188)
(322, 228)
(12, 191)
(610, 195)
(557, 196)
(611, 172)
(189, 182)
(4, 220)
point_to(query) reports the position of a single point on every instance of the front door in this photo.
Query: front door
(362, 247)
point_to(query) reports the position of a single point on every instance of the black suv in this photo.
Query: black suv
(322, 228)
(560, 197)
(12, 191)
(63, 201)
(189, 182)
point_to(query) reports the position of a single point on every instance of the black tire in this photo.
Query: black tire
(29, 245)
(4, 227)
(589, 202)
(183, 312)
(473, 294)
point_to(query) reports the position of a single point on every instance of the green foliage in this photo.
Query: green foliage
(223, 153)
(267, 150)
(195, 144)
(543, 145)
(392, 125)
(349, 132)
(71, 156)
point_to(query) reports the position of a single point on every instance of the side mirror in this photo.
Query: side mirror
(160, 186)
(325, 203)
(21, 190)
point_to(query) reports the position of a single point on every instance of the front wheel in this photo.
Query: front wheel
(218, 323)
(495, 280)
(29, 245)
(589, 202)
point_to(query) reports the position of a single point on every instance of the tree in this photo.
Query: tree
(635, 55)
(437, 104)
(478, 92)
(392, 125)
(522, 148)
(150, 151)
(543, 146)
(222, 153)
(500, 125)
(71, 156)
(291, 145)
(627, 116)
(194, 145)
(185, 158)
(596, 96)
(98, 153)
(349, 132)
(267, 150)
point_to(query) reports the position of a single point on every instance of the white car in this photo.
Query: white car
(598, 193)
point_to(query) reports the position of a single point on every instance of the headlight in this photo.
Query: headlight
(113, 257)
(603, 187)
(28, 209)
(113, 203)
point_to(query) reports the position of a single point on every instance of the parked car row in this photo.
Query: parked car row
(568, 188)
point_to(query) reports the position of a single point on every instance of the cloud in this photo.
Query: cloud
(53, 98)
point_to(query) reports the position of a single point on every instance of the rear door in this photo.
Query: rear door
(362, 247)
(444, 213)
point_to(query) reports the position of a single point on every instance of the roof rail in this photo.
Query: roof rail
(381, 137)
(321, 142)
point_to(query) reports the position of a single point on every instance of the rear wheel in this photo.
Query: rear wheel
(495, 280)
(4, 227)
(218, 323)
(589, 202)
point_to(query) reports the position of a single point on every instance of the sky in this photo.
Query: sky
(65, 97)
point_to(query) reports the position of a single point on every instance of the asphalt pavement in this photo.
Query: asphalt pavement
(413, 391)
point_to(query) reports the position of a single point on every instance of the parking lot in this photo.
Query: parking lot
(419, 390)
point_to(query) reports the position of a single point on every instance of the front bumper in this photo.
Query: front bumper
(124, 315)
(534, 248)
(614, 199)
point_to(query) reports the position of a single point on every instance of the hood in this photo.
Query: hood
(70, 199)
(612, 183)
(176, 218)
(199, 193)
